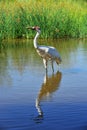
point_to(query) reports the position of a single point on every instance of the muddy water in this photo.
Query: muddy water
(31, 99)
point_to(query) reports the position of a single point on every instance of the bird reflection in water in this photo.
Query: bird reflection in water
(50, 85)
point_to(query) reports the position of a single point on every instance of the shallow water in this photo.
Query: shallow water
(32, 100)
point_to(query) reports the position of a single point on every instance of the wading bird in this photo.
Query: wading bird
(46, 52)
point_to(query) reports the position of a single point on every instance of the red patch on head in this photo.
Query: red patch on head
(36, 28)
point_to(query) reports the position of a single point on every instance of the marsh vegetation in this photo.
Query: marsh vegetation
(58, 19)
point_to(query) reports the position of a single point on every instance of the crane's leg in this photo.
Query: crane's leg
(52, 66)
(45, 64)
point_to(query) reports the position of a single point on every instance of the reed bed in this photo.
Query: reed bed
(57, 18)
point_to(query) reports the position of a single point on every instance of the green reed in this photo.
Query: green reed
(57, 18)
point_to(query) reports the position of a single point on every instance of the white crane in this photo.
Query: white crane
(46, 52)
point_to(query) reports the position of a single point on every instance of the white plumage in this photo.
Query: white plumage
(46, 52)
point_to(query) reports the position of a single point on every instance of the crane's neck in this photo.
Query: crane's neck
(35, 39)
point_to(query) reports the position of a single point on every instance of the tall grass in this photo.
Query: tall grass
(57, 18)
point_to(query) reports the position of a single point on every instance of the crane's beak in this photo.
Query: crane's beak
(28, 27)
(32, 28)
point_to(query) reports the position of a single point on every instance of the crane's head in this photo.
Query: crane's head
(36, 28)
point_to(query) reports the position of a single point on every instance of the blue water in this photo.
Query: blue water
(32, 100)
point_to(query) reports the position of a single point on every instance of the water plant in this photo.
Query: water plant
(57, 18)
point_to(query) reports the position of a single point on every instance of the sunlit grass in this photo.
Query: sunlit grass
(57, 18)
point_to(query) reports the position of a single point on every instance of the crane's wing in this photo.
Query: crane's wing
(53, 52)
(49, 51)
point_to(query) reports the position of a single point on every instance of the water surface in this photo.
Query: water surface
(31, 99)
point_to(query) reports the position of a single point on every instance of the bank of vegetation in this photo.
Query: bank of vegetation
(57, 18)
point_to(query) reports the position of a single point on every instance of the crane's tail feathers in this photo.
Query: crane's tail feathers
(59, 60)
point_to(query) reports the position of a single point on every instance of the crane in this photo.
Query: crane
(46, 52)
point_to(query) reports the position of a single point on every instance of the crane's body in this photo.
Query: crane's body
(46, 52)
